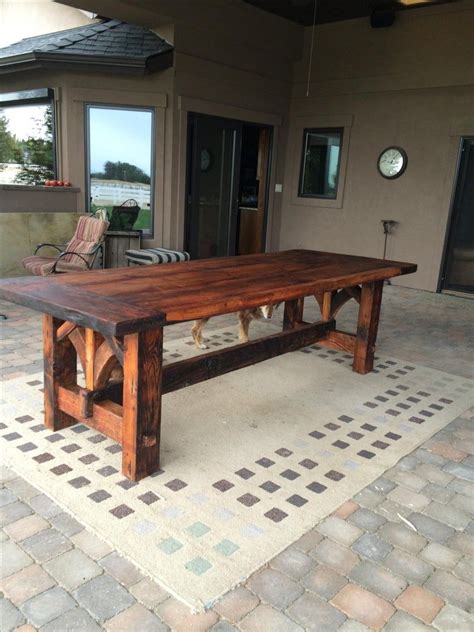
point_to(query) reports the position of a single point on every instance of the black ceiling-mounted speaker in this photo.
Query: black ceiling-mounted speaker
(383, 15)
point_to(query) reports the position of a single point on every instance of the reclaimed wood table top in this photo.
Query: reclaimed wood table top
(125, 300)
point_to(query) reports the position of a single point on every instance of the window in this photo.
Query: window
(27, 154)
(120, 161)
(320, 163)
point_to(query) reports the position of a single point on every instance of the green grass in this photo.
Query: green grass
(143, 220)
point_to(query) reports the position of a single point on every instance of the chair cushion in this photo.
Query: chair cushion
(41, 266)
(89, 232)
(148, 256)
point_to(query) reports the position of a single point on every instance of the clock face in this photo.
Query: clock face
(206, 160)
(392, 162)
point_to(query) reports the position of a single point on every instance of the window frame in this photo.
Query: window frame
(35, 96)
(319, 130)
(146, 234)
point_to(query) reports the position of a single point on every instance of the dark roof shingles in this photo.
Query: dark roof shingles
(110, 38)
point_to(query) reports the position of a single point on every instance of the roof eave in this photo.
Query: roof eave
(90, 63)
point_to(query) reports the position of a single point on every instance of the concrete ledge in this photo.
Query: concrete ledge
(20, 198)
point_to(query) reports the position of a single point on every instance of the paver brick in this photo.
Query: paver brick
(13, 512)
(46, 544)
(408, 566)
(22, 488)
(74, 620)
(459, 486)
(464, 569)
(369, 498)
(308, 541)
(372, 547)
(463, 542)
(236, 604)
(420, 602)
(26, 527)
(7, 497)
(137, 617)
(180, 619)
(451, 516)
(148, 592)
(275, 588)
(460, 471)
(45, 506)
(315, 614)
(408, 479)
(433, 474)
(346, 509)
(453, 619)
(407, 498)
(464, 503)
(10, 617)
(447, 451)
(338, 557)
(378, 580)
(91, 545)
(366, 519)
(339, 530)
(324, 581)
(382, 485)
(438, 492)
(103, 597)
(451, 589)
(264, 617)
(430, 528)
(351, 625)
(402, 536)
(404, 622)
(47, 606)
(360, 604)
(124, 571)
(73, 568)
(26, 584)
(67, 524)
(223, 626)
(293, 562)
(440, 556)
(13, 558)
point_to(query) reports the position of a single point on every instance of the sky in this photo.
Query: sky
(120, 135)
(115, 134)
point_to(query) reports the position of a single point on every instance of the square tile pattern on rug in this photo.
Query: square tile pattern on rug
(250, 461)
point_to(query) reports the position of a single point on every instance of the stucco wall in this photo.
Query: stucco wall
(410, 85)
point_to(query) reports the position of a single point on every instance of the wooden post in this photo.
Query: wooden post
(293, 313)
(367, 326)
(142, 389)
(60, 369)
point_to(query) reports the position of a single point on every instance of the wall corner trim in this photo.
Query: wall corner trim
(203, 106)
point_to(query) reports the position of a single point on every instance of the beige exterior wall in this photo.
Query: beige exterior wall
(410, 85)
(25, 18)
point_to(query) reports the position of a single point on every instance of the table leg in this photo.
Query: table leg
(367, 326)
(60, 369)
(293, 313)
(142, 389)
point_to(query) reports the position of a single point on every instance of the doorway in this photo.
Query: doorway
(458, 268)
(227, 186)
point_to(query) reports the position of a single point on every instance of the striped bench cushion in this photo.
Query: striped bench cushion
(147, 256)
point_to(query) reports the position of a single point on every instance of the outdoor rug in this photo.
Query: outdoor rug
(251, 460)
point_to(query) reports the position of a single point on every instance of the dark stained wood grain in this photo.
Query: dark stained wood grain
(367, 326)
(293, 314)
(205, 367)
(60, 369)
(126, 300)
(141, 423)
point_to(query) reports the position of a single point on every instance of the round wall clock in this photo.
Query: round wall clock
(206, 159)
(392, 162)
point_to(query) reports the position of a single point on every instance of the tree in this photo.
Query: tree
(35, 154)
(8, 143)
(123, 171)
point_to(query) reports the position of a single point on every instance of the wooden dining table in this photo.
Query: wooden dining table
(113, 320)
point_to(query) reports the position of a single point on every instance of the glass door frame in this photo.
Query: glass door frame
(451, 216)
(192, 159)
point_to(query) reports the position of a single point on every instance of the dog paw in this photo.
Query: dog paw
(202, 346)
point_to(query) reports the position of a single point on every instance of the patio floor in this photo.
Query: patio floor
(362, 568)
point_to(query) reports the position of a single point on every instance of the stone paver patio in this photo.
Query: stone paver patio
(398, 556)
